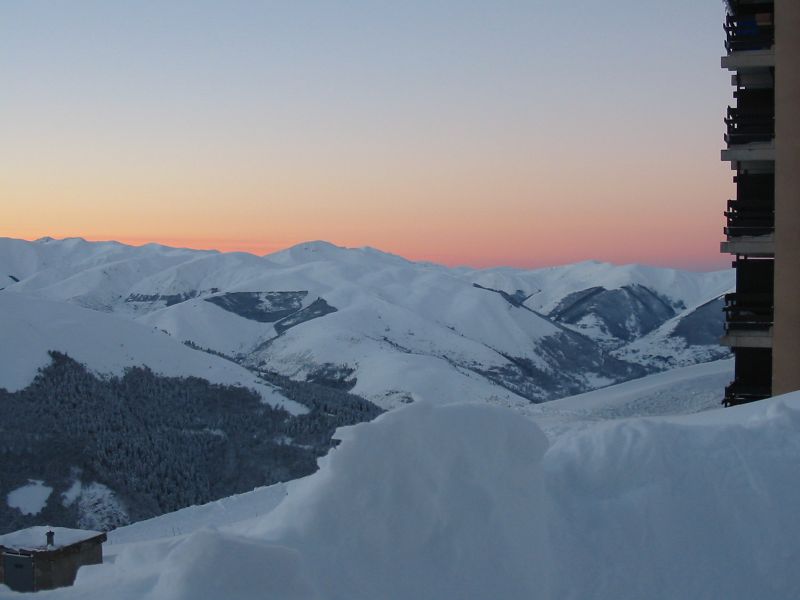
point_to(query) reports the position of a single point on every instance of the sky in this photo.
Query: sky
(502, 132)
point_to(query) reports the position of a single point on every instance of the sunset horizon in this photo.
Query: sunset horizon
(459, 134)
(262, 249)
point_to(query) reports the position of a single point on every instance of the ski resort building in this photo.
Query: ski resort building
(43, 558)
(763, 221)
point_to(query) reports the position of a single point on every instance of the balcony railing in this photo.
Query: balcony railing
(752, 311)
(749, 218)
(755, 31)
(747, 126)
(742, 392)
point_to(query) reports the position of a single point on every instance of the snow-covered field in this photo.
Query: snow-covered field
(472, 501)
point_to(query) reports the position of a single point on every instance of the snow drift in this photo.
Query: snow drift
(467, 501)
(424, 504)
(679, 507)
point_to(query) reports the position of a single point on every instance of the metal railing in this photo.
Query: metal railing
(748, 218)
(749, 31)
(742, 392)
(746, 126)
(752, 311)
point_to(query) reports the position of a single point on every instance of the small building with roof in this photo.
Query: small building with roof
(43, 558)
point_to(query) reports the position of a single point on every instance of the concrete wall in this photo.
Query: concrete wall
(786, 332)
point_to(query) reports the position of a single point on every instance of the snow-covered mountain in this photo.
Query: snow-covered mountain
(390, 329)
(688, 338)
(153, 424)
(31, 327)
(615, 305)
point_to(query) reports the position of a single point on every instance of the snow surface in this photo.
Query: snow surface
(472, 501)
(686, 390)
(30, 499)
(30, 327)
(226, 511)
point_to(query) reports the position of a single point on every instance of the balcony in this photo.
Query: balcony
(742, 392)
(747, 127)
(748, 311)
(750, 31)
(751, 217)
(748, 218)
(753, 376)
(752, 120)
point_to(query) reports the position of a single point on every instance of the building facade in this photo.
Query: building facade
(763, 220)
(43, 558)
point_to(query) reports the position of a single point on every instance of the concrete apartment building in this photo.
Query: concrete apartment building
(763, 221)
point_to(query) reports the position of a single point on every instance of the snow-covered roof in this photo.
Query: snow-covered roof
(35, 538)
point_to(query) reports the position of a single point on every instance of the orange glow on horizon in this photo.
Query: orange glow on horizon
(427, 134)
(685, 258)
(582, 211)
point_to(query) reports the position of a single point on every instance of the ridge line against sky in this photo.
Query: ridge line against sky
(520, 133)
(343, 247)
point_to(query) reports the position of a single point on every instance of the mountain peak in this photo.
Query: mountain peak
(319, 250)
(316, 246)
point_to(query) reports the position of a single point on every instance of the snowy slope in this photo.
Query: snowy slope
(30, 327)
(621, 305)
(686, 390)
(688, 338)
(547, 287)
(235, 509)
(411, 506)
(396, 329)
(96, 275)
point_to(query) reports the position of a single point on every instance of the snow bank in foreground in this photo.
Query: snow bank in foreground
(466, 501)
(700, 506)
(423, 503)
(211, 565)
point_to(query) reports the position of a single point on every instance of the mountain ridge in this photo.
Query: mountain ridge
(376, 314)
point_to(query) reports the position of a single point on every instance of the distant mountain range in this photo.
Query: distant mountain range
(369, 326)
(390, 329)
